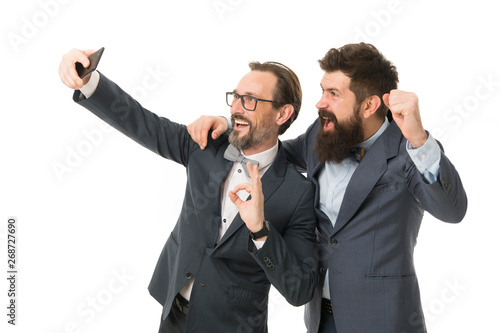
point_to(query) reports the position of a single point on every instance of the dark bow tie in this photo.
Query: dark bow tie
(233, 154)
(357, 153)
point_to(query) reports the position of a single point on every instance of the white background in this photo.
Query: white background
(111, 209)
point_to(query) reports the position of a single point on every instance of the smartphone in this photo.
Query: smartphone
(94, 61)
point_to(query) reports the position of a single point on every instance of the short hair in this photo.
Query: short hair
(287, 90)
(370, 72)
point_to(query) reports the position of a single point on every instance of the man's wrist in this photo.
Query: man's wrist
(90, 87)
(420, 140)
(263, 232)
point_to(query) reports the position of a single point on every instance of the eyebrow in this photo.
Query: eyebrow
(247, 94)
(329, 89)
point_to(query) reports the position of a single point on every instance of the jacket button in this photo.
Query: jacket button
(446, 184)
(189, 275)
(333, 241)
(322, 270)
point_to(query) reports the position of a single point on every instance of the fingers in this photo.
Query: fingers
(198, 131)
(256, 183)
(219, 128)
(88, 53)
(200, 128)
(242, 187)
(402, 103)
(234, 196)
(67, 69)
(254, 175)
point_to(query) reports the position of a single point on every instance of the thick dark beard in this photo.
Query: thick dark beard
(254, 136)
(334, 146)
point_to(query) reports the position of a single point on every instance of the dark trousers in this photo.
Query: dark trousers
(175, 321)
(327, 323)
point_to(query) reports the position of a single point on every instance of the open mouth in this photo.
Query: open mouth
(240, 124)
(327, 120)
(329, 125)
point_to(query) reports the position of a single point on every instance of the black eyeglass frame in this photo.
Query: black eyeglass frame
(238, 96)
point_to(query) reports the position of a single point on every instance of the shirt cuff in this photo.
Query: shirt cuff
(258, 244)
(426, 158)
(91, 86)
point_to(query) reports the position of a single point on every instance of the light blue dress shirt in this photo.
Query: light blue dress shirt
(335, 177)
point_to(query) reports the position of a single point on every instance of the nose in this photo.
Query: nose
(237, 107)
(322, 102)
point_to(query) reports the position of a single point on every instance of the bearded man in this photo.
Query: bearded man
(375, 172)
(247, 219)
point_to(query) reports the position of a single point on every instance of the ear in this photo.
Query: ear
(285, 112)
(370, 105)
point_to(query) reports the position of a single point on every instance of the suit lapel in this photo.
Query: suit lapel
(271, 180)
(326, 228)
(368, 173)
(218, 173)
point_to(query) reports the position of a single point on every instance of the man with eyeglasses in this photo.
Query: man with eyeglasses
(236, 235)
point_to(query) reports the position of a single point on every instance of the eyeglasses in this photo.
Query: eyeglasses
(248, 102)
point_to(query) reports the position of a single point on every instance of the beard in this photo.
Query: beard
(335, 145)
(255, 135)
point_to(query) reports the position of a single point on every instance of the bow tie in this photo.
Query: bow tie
(233, 154)
(357, 153)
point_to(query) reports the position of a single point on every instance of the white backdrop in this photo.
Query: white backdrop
(94, 208)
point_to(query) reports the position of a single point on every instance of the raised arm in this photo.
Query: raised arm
(117, 108)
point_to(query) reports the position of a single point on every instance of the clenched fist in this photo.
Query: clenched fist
(406, 114)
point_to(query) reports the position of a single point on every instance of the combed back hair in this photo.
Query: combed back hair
(287, 91)
(370, 72)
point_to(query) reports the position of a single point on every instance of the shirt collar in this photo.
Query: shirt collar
(370, 141)
(266, 157)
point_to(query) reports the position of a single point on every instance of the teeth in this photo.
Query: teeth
(240, 122)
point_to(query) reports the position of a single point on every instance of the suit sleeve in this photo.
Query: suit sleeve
(445, 199)
(297, 149)
(289, 259)
(117, 108)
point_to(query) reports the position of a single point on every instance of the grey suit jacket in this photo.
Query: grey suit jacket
(369, 252)
(232, 280)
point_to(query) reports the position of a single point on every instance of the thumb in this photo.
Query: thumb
(385, 98)
(87, 53)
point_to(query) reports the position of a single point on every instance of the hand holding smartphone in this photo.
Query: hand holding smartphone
(94, 61)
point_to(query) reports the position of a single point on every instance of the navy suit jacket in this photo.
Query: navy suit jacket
(232, 280)
(369, 251)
